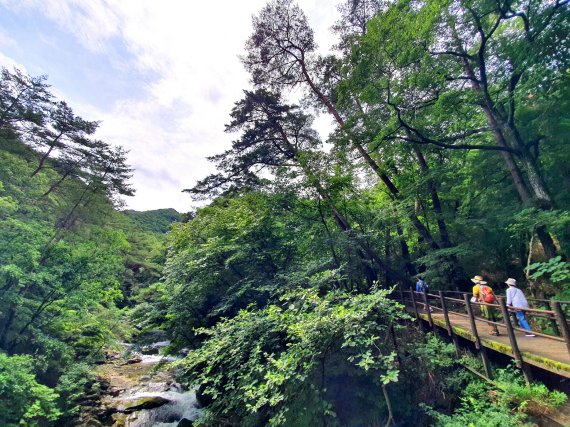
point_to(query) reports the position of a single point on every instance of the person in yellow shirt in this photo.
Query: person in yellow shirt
(484, 294)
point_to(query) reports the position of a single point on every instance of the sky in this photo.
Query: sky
(161, 76)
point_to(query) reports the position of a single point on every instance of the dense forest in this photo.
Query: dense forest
(70, 260)
(447, 158)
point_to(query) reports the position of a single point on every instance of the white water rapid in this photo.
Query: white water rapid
(157, 400)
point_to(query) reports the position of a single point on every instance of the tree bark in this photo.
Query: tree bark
(422, 230)
(534, 193)
(46, 155)
(432, 188)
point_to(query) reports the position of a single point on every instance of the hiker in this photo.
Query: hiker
(516, 299)
(422, 286)
(484, 294)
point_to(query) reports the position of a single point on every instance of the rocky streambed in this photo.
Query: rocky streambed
(137, 390)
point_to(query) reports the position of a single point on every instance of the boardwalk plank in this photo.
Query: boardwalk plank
(545, 353)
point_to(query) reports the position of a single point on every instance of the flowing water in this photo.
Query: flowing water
(137, 384)
(182, 405)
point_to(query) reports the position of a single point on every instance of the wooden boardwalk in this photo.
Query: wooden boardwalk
(551, 353)
(544, 353)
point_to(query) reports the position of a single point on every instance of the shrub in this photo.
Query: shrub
(22, 399)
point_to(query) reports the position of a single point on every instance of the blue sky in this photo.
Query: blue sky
(161, 76)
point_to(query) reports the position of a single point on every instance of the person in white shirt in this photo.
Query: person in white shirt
(516, 299)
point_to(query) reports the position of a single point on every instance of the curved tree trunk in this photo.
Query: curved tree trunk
(534, 193)
(424, 233)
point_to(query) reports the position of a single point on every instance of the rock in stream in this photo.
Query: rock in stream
(136, 394)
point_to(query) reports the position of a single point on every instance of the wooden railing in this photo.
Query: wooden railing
(550, 323)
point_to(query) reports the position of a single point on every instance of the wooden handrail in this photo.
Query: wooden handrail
(554, 316)
(535, 311)
(528, 299)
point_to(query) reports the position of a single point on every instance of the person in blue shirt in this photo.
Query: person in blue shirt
(421, 285)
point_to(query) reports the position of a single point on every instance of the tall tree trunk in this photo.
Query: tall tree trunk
(456, 273)
(6, 327)
(56, 184)
(46, 155)
(390, 421)
(533, 194)
(405, 252)
(432, 188)
(364, 250)
(421, 229)
(387, 255)
(329, 235)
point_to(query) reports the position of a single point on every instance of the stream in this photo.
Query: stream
(138, 390)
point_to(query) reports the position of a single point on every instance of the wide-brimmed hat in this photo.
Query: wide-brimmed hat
(478, 280)
(511, 282)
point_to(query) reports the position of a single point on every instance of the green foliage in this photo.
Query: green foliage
(533, 398)
(157, 221)
(23, 401)
(555, 269)
(508, 401)
(478, 410)
(262, 366)
(63, 253)
(452, 124)
(73, 385)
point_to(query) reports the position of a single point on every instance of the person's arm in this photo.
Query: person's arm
(476, 291)
(510, 296)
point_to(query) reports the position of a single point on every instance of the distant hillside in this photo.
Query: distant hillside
(157, 220)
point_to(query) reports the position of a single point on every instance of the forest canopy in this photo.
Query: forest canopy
(448, 158)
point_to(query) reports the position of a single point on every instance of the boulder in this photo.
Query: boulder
(147, 402)
(92, 423)
(119, 420)
(185, 422)
(113, 355)
(174, 386)
(103, 384)
(134, 359)
(150, 349)
(115, 391)
(103, 412)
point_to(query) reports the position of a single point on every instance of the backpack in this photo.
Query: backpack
(486, 294)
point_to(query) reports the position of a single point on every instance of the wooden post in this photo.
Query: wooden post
(445, 314)
(428, 310)
(513, 339)
(472, 321)
(478, 346)
(448, 324)
(553, 321)
(415, 305)
(561, 323)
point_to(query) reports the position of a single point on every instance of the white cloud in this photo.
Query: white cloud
(174, 122)
(5, 39)
(9, 63)
(93, 22)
